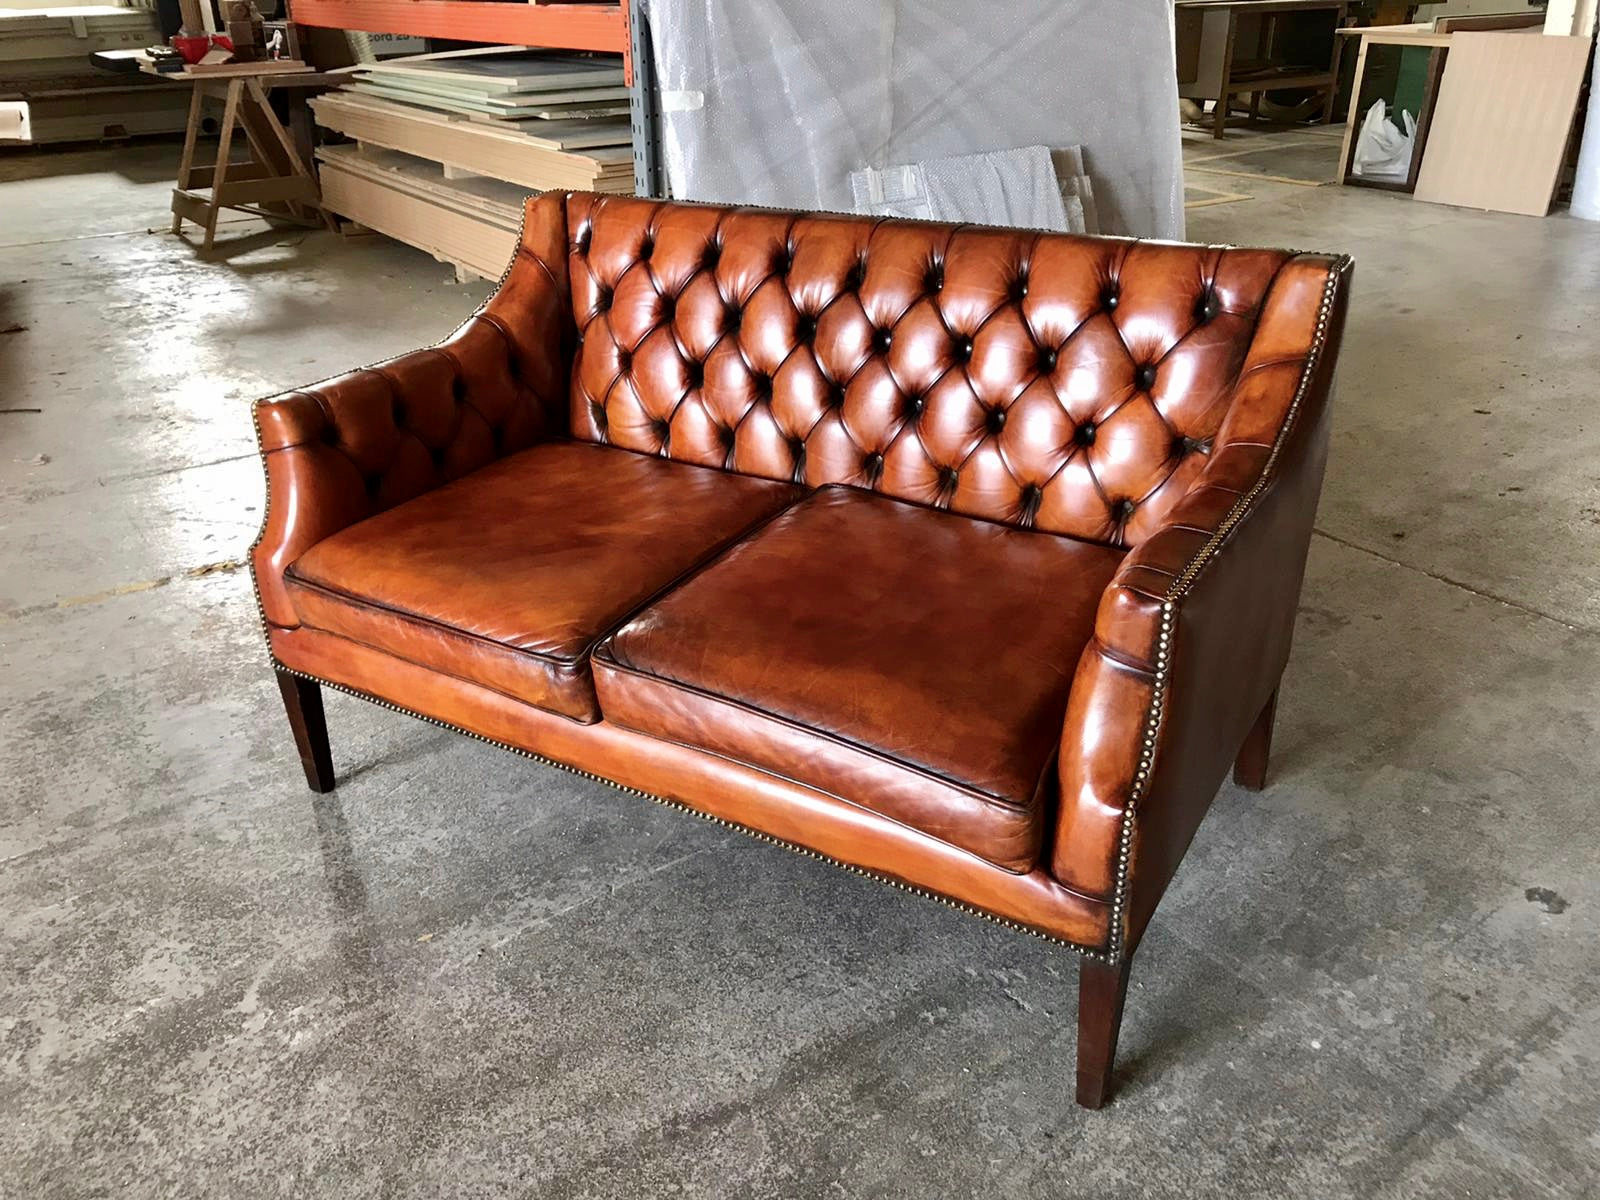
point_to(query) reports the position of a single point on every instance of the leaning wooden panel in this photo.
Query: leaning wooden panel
(1500, 127)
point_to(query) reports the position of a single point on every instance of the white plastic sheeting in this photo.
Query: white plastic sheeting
(776, 102)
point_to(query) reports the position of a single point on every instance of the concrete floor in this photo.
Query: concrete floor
(464, 974)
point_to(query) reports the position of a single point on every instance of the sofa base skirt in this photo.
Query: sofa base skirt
(753, 801)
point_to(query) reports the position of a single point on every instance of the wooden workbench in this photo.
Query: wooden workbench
(276, 181)
(1208, 45)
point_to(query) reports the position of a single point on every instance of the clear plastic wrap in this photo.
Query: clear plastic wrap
(777, 102)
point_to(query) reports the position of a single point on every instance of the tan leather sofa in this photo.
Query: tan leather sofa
(967, 558)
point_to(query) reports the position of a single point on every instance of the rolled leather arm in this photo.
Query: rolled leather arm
(1194, 630)
(344, 449)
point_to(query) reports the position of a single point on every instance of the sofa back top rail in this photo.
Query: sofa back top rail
(1070, 384)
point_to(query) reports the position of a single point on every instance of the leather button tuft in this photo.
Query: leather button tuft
(1019, 288)
(624, 360)
(1085, 434)
(694, 372)
(1145, 378)
(732, 318)
(458, 389)
(1123, 511)
(873, 463)
(1047, 361)
(725, 436)
(711, 257)
(660, 429)
(948, 478)
(761, 384)
(438, 456)
(915, 405)
(669, 307)
(996, 420)
(933, 278)
(602, 299)
(797, 448)
(398, 411)
(1110, 298)
(597, 413)
(647, 247)
(881, 341)
(1205, 308)
(962, 350)
(836, 396)
(782, 261)
(857, 276)
(805, 328)
(1031, 497)
(514, 367)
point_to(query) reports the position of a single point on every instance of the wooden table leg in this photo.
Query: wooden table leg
(1224, 97)
(296, 164)
(219, 174)
(190, 134)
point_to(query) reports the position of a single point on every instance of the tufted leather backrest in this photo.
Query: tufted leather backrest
(1070, 384)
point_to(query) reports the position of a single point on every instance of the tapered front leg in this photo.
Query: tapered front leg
(1250, 768)
(302, 700)
(1102, 987)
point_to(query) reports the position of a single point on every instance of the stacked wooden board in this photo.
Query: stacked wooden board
(448, 145)
(49, 92)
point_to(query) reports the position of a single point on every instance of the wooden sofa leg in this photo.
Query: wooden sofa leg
(302, 700)
(1250, 768)
(1102, 987)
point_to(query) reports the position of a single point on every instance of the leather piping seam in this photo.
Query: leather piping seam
(561, 663)
(1099, 954)
(606, 654)
(877, 814)
(1180, 587)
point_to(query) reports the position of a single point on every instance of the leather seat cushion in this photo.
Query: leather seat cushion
(508, 576)
(911, 661)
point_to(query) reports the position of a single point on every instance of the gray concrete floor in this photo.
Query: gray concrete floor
(464, 974)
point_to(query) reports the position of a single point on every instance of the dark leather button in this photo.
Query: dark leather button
(915, 405)
(669, 306)
(948, 478)
(1110, 298)
(873, 463)
(805, 328)
(996, 420)
(761, 384)
(882, 340)
(1124, 510)
(399, 413)
(933, 278)
(1019, 288)
(1205, 308)
(711, 257)
(458, 389)
(514, 367)
(647, 247)
(1047, 361)
(732, 318)
(330, 434)
(836, 396)
(782, 261)
(857, 275)
(438, 456)
(373, 482)
(725, 436)
(1145, 378)
(1031, 497)
(797, 447)
(660, 429)
(624, 360)
(602, 299)
(694, 372)
(962, 350)
(1085, 434)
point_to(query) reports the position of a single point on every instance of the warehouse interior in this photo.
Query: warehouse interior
(467, 973)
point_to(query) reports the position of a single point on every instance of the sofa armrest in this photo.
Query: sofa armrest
(1194, 630)
(349, 447)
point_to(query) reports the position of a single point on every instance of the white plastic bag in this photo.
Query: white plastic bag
(1382, 151)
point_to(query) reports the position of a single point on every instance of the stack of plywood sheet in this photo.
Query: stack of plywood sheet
(49, 92)
(448, 145)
